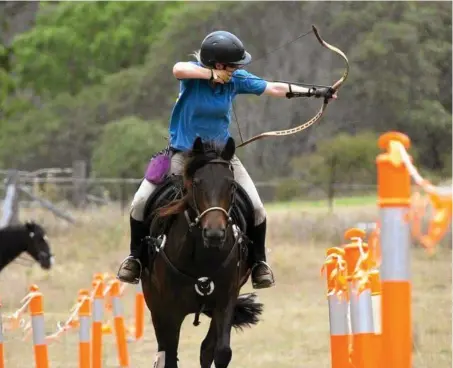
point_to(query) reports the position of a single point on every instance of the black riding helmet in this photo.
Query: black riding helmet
(225, 48)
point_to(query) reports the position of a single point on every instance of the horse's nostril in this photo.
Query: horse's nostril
(214, 233)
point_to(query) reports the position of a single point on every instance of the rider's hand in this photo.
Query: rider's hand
(221, 76)
(325, 92)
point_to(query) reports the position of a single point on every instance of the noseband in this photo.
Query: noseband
(199, 215)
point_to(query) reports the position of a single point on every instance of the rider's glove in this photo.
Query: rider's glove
(325, 92)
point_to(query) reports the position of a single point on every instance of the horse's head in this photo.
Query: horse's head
(38, 246)
(210, 183)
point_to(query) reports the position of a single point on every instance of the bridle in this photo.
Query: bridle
(196, 223)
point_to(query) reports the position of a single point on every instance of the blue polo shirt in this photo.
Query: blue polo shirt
(204, 111)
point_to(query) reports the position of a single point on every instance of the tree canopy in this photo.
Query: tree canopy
(86, 71)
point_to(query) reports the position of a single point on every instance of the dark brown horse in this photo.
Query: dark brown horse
(200, 262)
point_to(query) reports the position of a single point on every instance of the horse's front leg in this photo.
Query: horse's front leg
(222, 318)
(208, 346)
(167, 328)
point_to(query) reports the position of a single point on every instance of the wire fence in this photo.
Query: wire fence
(103, 191)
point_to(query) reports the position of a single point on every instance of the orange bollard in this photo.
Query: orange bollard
(375, 282)
(39, 333)
(394, 200)
(139, 312)
(96, 326)
(338, 315)
(120, 329)
(363, 337)
(84, 329)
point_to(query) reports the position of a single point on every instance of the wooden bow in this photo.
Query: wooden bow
(318, 116)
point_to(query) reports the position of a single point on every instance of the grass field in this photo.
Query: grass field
(322, 204)
(293, 332)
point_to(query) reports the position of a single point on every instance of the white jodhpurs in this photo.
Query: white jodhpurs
(243, 178)
(177, 164)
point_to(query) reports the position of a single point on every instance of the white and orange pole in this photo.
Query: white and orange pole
(375, 282)
(39, 333)
(139, 312)
(361, 309)
(120, 328)
(97, 317)
(394, 197)
(84, 329)
(338, 312)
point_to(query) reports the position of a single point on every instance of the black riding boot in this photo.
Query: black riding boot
(131, 268)
(262, 276)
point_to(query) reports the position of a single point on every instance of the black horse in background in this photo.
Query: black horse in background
(200, 262)
(25, 238)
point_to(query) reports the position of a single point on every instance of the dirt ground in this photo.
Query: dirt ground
(294, 327)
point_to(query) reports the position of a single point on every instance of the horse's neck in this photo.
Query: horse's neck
(12, 245)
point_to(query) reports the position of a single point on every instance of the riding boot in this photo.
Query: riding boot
(131, 268)
(262, 275)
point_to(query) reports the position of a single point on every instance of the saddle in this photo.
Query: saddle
(172, 188)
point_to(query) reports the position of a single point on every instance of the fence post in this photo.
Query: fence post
(123, 194)
(10, 213)
(79, 175)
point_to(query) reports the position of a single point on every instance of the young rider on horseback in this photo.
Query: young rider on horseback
(207, 88)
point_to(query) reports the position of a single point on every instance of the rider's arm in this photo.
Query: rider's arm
(249, 83)
(277, 89)
(187, 70)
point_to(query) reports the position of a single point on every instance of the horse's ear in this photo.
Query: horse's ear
(229, 149)
(29, 225)
(197, 146)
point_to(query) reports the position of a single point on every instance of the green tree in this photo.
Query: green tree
(402, 71)
(344, 159)
(75, 44)
(125, 147)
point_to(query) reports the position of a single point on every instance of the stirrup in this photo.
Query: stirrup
(267, 283)
(136, 279)
(259, 263)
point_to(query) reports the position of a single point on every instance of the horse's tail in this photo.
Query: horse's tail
(246, 311)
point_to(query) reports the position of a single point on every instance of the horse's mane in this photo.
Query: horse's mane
(194, 161)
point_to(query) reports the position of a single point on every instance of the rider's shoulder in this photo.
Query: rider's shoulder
(242, 73)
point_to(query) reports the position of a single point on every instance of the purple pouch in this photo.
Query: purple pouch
(158, 168)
